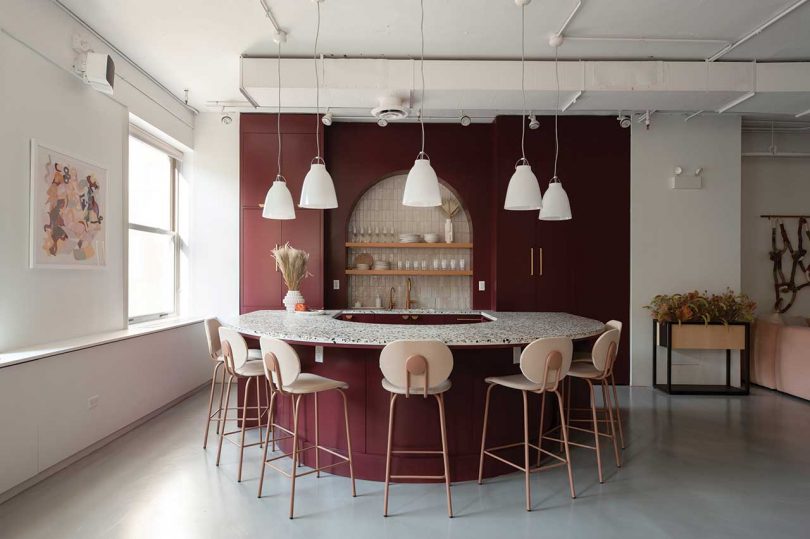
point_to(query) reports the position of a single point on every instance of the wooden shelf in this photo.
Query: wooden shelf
(398, 245)
(410, 272)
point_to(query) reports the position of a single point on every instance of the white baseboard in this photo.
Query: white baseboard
(61, 465)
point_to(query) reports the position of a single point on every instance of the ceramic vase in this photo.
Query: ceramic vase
(448, 231)
(291, 299)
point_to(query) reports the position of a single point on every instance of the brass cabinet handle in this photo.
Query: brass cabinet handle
(404, 316)
(531, 261)
(414, 317)
(540, 261)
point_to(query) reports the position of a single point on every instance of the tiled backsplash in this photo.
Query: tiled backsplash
(380, 213)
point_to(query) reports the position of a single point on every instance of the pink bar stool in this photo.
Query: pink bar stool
(282, 368)
(599, 371)
(543, 364)
(588, 357)
(235, 354)
(212, 326)
(416, 367)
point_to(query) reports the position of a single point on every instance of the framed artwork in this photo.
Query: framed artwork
(68, 207)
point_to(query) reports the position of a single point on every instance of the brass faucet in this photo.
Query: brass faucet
(408, 302)
(391, 302)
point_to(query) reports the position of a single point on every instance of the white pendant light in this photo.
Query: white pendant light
(556, 206)
(523, 191)
(278, 204)
(318, 191)
(422, 184)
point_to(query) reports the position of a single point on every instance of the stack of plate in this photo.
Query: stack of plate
(362, 266)
(431, 238)
(410, 238)
(382, 265)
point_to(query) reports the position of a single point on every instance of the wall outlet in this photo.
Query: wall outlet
(319, 354)
(92, 402)
(481, 286)
(516, 351)
(336, 284)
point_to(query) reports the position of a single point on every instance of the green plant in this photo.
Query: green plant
(726, 307)
(293, 265)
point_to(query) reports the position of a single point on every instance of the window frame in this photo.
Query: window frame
(173, 233)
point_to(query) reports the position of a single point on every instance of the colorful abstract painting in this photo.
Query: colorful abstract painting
(67, 210)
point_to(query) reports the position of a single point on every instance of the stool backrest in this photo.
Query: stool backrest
(546, 361)
(212, 326)
(421, 364)
(281, 363)
(604, 350)
(236, 353)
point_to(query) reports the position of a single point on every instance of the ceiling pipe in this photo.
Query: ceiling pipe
(571, 101)
(693, 115)
(269, 14)
(629, 39)
(756, 31)
(805, 113)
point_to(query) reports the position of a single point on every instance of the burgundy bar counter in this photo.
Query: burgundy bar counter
(482, 344)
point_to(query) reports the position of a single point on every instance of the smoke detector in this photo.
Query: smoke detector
(390, 109)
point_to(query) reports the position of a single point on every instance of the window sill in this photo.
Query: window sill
(41, 351)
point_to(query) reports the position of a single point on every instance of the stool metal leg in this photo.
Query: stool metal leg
(224, 417)
(618, 409)
(388, 452)
(440, 400)
(317, 441)
(564, 430)
(527, 469)
(295, 450)
(609, 406)
(595, 430)
(348, 439)
(220, 425)
(542, 418)
(484, 434)
(211, 405)
(242, 436)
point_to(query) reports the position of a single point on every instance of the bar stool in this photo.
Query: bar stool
(599, 370)
(282, 368)
(586, 356)
(543, 364)
(212, 326)
(235, 354)
(416, 367)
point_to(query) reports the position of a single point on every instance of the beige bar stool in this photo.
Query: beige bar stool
(235, 354)
(212, 326)
(416, 367)
(282, 368)
(543, 364)
(598, 371)
(587, 356)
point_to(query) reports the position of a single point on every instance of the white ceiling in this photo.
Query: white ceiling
(196, 44)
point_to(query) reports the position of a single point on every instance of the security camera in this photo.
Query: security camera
(226, 119)
(533, 123)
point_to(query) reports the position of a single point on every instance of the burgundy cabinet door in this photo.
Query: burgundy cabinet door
(553, 266)
(261, 284)
(516, 262)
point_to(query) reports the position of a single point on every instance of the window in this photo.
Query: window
(153, 239)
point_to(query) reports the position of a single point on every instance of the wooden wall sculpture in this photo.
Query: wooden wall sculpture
(787, 286)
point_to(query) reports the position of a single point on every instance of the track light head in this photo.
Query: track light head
(327, 118)
(382, 122)
(533, 122)
(465, 120)
(624, 121)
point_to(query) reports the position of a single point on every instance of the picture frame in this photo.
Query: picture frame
(68, 202)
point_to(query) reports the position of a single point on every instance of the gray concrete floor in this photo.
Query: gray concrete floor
(694, 467)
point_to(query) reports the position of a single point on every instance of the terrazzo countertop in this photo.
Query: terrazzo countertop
(503, 329)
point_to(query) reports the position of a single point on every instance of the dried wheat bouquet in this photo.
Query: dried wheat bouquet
(293, 265)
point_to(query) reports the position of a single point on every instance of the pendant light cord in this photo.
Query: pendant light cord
(422, 71)
(523, 80)
(317, 85)
(278, 116)
(556, 111)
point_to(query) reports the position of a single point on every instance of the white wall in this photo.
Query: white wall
(682, 240)
(46, 417)
(772, 185)
(214, 233)
(38, 100)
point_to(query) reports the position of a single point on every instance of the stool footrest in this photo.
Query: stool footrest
(417, 477)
